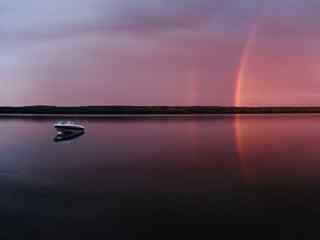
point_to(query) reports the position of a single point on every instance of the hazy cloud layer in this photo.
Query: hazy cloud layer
(37, 18)
(156, 51)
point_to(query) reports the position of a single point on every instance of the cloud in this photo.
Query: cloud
(38, 20)
(123, 47)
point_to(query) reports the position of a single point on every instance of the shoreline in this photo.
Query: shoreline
(116, 111)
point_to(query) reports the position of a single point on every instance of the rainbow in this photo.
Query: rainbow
(247, 52)
(244, 61)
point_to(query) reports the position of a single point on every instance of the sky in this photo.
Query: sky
(159, 52)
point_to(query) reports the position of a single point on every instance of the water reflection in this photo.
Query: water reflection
(68, 136)
(274, 148)
(140, 174)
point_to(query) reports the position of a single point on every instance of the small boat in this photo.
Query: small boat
(63, 127)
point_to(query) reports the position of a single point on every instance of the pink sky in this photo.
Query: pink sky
(159, 52)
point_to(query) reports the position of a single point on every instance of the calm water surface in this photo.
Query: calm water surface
(132, 176)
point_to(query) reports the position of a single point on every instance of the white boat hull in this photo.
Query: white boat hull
(68, 127)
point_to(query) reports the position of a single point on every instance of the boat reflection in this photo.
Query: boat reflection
(68, 136)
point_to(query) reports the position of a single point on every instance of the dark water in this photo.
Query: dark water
(166, 177)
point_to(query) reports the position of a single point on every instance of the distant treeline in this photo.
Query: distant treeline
(105, 110)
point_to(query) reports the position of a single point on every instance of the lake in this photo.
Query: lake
(128, 177)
